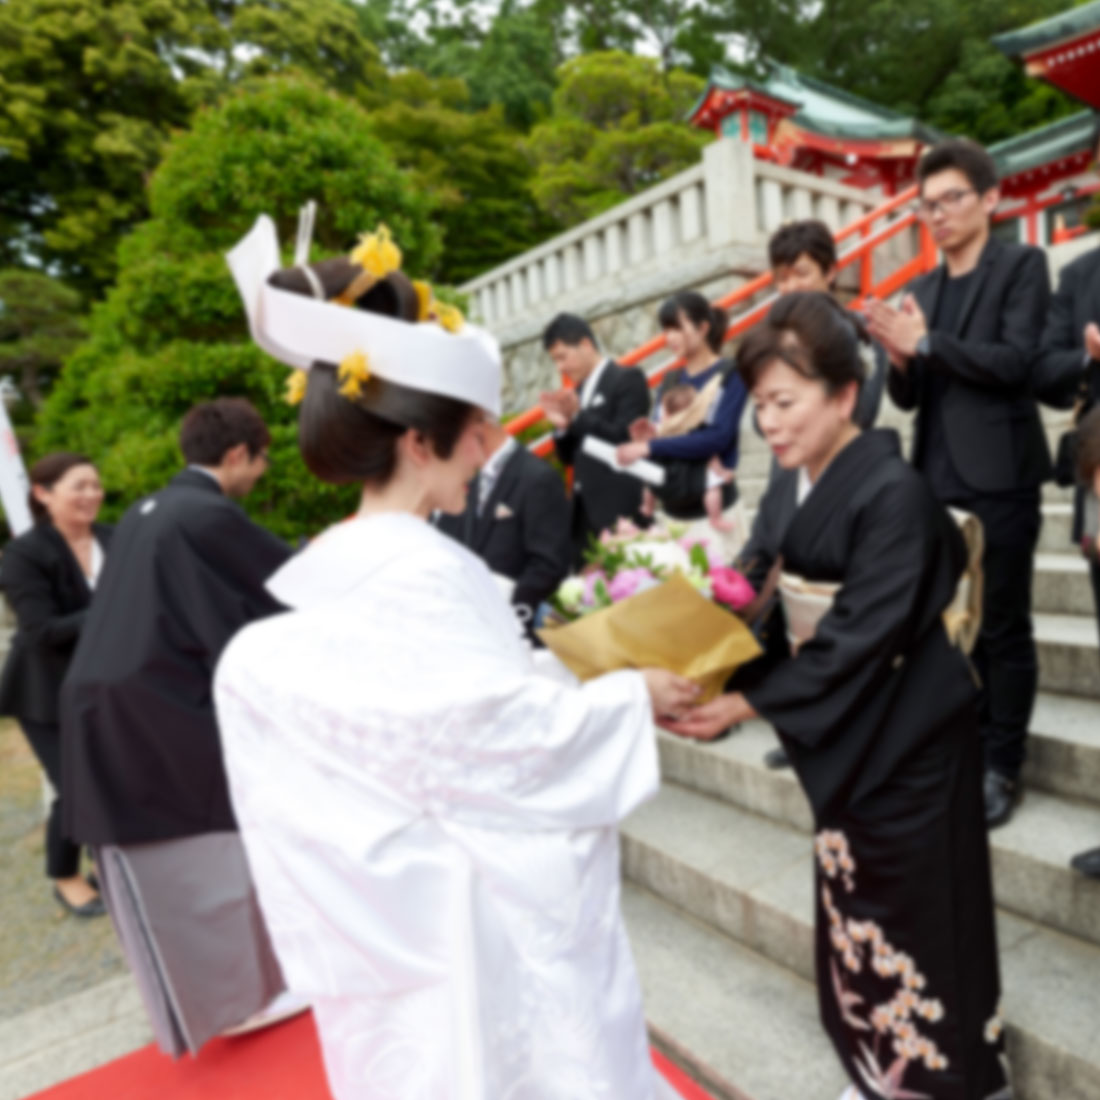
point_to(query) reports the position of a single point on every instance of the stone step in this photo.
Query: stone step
(743, 1026)
(1064, 747)
(1069, 653)
(751, 879)
(1057, 532)
(1062, 585)
(1030, 854)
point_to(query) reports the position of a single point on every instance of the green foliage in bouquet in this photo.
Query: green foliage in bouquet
(172, 330)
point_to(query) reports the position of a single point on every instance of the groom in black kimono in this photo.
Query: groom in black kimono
(141, 753)
(961, 350)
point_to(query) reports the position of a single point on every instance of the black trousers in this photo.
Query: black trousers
(1006, 656)
(62, 855)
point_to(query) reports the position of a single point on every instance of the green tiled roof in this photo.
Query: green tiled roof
(823, 108)
(1045, 145)
(1049, 32)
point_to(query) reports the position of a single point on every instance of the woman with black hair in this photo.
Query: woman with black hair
(429, 810)
(697, 422)
(48, 574)
(878, 711)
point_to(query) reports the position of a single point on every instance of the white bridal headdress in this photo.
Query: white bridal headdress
(298, 331)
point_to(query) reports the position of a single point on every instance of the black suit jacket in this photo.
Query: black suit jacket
(1061, 374)
(50, 596)
(522, 532)
(991, 421)
(601, 495)
(141, 756)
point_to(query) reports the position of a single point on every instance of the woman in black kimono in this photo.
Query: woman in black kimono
(877, 711)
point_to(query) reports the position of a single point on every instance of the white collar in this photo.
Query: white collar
(496, 460)
(592, 382)
(805, 485)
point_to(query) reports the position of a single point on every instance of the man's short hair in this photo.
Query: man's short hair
(568, 328)
(214, 427)
(810, 238)
(963, 155)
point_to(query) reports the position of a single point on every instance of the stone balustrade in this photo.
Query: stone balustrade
(708, 221)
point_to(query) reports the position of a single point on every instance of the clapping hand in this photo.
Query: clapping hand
(897, 330)
(1092, 340)
(560, 406)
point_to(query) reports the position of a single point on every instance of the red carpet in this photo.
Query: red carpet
(281, 1063)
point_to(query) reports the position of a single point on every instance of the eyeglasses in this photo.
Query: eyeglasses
(948, 201)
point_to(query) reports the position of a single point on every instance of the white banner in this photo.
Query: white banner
(14, 483)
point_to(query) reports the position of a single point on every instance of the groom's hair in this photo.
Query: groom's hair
(214, 427)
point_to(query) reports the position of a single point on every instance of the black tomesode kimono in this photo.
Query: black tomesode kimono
(878, 714)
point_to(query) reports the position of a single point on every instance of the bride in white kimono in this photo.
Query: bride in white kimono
(430, 817)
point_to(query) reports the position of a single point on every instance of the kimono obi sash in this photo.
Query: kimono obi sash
(807, 602)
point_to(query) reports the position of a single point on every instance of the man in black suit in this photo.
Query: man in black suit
(142, 762)
(1067, 375)
(604, 401)
(517, 521)
(961, 350)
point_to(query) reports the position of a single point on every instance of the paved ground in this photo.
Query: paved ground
(45, 954)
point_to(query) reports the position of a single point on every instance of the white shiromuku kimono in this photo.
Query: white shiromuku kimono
(430, 817)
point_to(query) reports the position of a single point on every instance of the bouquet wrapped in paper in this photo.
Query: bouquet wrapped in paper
(653, 599)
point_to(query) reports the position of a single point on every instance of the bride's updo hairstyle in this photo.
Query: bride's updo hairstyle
(810, 332)
(353, 440)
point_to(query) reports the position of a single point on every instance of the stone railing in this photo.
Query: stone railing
(706, 222)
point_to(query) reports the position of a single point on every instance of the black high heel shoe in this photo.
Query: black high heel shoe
(93, 908)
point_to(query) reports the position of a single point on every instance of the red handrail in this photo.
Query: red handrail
(861, 253)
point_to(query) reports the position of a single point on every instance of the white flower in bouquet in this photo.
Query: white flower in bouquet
(571, 593)
(660, 555)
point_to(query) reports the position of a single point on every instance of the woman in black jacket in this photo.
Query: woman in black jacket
(48, 574)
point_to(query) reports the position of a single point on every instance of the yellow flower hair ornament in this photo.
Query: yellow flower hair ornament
(376, 253)
(432, 309)
(353, 373)
(295, 388)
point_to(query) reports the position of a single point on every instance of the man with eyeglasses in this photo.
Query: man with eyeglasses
(1067, 376)
(961, 350)
(145, 783)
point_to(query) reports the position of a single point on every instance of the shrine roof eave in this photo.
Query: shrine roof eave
(1044, 145)
(887, 130)
(1063, 27)
(723, 80)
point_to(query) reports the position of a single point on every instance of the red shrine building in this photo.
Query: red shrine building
(1047, 179)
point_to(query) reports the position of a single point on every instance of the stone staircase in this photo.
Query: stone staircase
(718, 868)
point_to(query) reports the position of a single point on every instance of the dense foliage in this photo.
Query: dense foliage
(172, 331)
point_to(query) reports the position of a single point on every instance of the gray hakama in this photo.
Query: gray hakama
(190, 927)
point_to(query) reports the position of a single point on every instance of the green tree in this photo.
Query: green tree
(616, 128)
(93, 89)
(40, 326)
(172, 330)
(473, 166)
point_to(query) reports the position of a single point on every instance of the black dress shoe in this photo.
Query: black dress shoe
(1088, 863)
(1001, 797)
(777, 758)
(93, 908)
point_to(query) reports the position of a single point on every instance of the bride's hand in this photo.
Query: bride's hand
(707, 721)
(671, 695)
